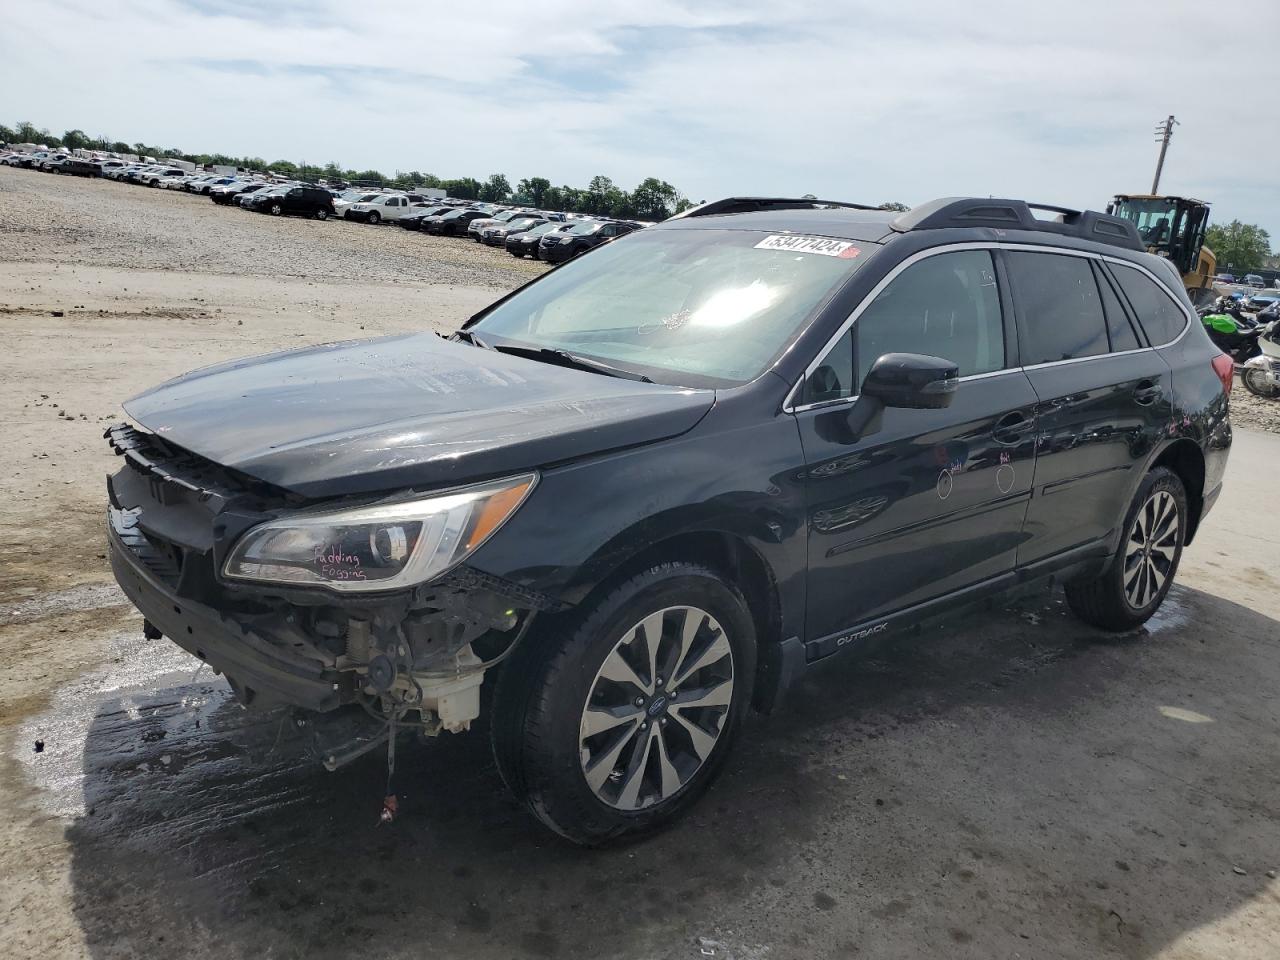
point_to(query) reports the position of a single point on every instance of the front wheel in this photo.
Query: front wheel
(1140, 574)
(1259, 383)
(374, 217)
(276, 209)
(617, 718)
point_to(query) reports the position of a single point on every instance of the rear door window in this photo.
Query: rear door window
(1060, 307)
(1161, 317)
(1119, 328)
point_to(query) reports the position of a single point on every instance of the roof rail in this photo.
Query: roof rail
(1017, 215)
(752, 204)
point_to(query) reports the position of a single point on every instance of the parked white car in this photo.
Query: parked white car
(349, 199)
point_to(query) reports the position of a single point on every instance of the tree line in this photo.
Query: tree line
(651, 199)
(1240, 247)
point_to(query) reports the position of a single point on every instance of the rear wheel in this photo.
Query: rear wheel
(619, 719)
(1140, 574)
(322, 214)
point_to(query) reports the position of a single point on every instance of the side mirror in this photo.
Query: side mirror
(912, 381)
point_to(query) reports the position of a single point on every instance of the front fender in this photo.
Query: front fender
(586, 519)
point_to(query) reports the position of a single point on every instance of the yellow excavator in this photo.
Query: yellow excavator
(1173, 227)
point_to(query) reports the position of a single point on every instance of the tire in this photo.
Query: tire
(1255, 381)
(275, 209)
(374, 218)
(322, 214)
(1140, 573)
(659, 758)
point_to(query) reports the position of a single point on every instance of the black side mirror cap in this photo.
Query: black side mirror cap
(912, 381)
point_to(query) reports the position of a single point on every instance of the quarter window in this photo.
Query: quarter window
(1060, 307)
(946, 306)
(1159, 314)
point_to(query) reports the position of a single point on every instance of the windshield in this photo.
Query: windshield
(582, 229)
(694, 307)
(519, 223)
(543, 228)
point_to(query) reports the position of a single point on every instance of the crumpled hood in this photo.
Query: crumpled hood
(406, 411)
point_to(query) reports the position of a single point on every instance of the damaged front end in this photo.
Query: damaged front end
(360, 604)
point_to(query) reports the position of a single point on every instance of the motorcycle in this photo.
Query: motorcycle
(1231, 332)
(1261, 374)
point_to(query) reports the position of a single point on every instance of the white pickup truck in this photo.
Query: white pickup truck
(390, 206)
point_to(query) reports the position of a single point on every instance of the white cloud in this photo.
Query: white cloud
(853, 100)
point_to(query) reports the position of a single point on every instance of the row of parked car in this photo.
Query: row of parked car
(523, 232)
(541, 234)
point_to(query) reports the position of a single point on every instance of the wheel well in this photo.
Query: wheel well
(731, 556)
(1185, 459)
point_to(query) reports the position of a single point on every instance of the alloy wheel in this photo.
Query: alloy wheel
(656, 708)
(1150, 551)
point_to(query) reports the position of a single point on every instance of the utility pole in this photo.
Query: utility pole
(1164, 133)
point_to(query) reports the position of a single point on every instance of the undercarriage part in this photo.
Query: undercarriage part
(455, 701)
(382, 674)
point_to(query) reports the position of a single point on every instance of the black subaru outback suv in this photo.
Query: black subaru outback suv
(647, 490)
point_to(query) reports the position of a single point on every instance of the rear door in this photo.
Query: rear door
(933, 501)
(1104, 398)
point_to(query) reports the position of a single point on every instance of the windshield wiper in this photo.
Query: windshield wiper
(567, 359)
(466, 336)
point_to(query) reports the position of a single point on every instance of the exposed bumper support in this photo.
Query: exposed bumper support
(257, 670)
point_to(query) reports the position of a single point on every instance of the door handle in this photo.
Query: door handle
(1012, 427)
(1147, 392)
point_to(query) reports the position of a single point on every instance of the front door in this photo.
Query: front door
(934, 500)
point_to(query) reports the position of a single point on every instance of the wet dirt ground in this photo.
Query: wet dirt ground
(1012, 784)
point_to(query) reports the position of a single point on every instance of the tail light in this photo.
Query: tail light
(1225, 369)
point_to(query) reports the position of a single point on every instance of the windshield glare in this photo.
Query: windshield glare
(693, 307)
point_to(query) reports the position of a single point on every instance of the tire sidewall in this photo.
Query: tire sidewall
(560, 789)
(374, 218)
(1159, 479)
(1264, 392)
(276, 209)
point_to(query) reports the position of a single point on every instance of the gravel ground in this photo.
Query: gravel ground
(72, 220)
(1256, 412)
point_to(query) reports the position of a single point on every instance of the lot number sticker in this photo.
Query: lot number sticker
(820, 245)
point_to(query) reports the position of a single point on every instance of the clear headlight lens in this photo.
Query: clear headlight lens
(381, 547)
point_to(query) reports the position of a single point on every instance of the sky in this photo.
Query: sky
(848, 100)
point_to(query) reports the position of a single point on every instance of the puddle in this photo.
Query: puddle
(136, 670)
(74, 600)
(1172, 615)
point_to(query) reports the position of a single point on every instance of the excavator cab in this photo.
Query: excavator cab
(1173, 227)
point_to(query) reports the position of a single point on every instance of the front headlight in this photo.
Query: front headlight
(381, 547)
